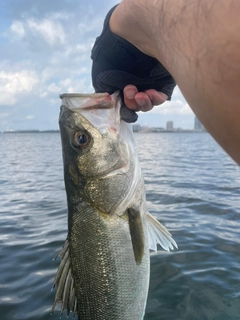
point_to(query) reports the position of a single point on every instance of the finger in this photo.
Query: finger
(156, 97)
(143, 101)
(129, 93)
(150, 98)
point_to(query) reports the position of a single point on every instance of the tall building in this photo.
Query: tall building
(169, 126)
(198, 125)
(136, 127)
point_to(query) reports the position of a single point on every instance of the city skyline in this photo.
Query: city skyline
(169, 127)
(136, 128)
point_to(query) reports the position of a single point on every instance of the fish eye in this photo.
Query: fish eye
(81, 140)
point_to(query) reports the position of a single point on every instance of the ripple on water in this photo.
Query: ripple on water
(192, 187)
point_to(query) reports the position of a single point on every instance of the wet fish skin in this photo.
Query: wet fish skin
(106, 273)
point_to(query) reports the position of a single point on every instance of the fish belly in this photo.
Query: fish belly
(109, 285)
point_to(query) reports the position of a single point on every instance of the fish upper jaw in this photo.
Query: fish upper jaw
(101, 109)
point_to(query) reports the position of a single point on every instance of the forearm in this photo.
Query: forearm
(198, 41)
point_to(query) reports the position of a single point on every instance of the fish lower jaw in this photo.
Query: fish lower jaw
(124, 169)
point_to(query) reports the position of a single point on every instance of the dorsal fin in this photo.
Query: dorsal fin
(65, 285)
(157, 233)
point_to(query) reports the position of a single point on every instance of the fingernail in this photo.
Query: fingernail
(141, 103)
(130, 94)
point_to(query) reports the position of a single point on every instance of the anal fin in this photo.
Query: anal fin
(65, 285)
(157, 233)
(137, 234)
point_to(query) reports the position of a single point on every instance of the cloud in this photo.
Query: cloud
(176, 107)
(51, 31)
(71, 85)
(46, 52)
(4, 115)
(30, 117)
(53, 88)
(90, 26)
(18, 29)
(14, 83)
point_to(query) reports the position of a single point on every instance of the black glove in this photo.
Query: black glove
(117, 63)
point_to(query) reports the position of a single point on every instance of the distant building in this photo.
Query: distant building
(156, 129)
(136, 127)
(145, 129)
(197, 125)
(169, 126)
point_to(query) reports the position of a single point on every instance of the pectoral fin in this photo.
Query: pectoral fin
(157, 233)
(65, 284)
(137, 234)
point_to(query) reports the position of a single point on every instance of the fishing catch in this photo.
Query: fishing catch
(104, 271)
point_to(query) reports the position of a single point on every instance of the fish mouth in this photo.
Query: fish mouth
(121, 170)
(84, 95)
(79, 102)
(100, 110)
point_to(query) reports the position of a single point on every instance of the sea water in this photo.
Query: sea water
(192, 187)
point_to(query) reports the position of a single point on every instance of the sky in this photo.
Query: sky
(45, 51)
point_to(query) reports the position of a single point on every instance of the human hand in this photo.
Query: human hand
(118, 65)
(142, 101)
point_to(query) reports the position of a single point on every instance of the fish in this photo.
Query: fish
(105, 266)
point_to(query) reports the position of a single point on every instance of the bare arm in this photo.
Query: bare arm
(198, 42)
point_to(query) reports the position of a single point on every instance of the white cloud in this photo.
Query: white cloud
(7, 99)
(89, 26)
(30, 117)
(47, 52)
(51, 31)
(4, 115)
(54, 88)
(43, 94)
(72, 85)
(54, 101)
(61, 16)
(47, 28)
(13, 83)
(18, 28)
(48, 72)
(18, 81)
(82, 47)
(177, 107)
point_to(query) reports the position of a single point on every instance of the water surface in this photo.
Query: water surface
(192, 187)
